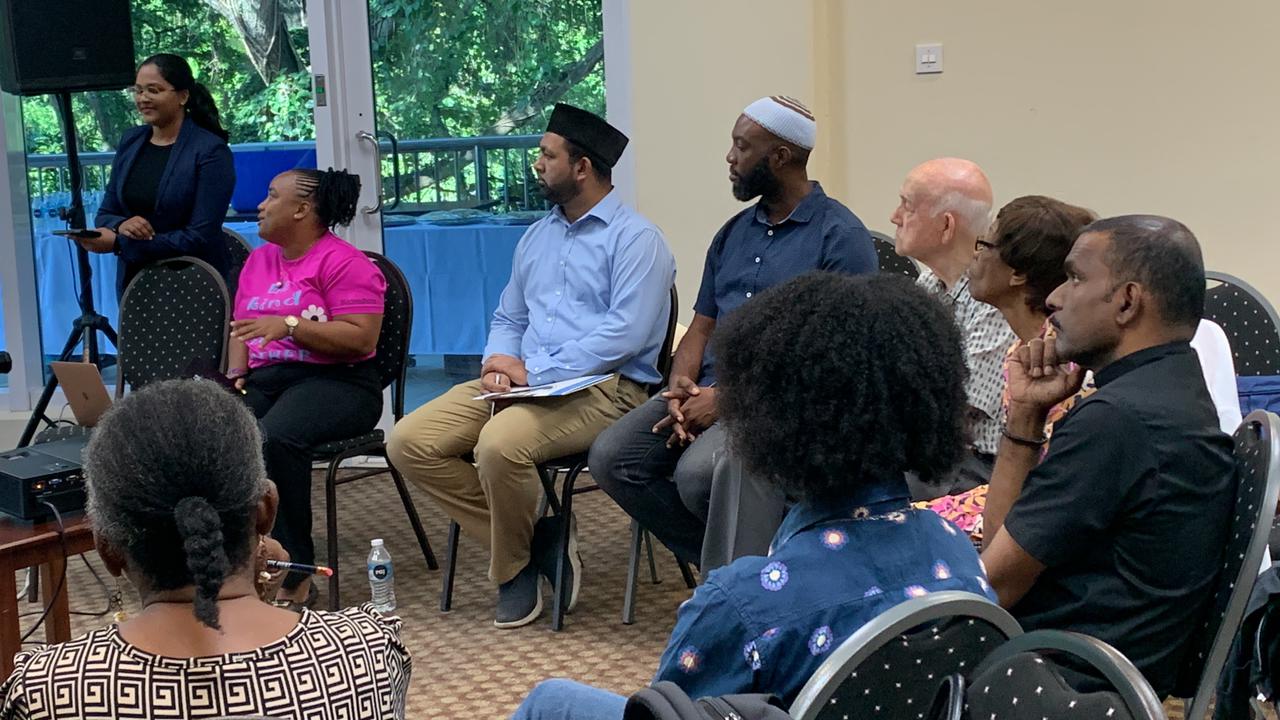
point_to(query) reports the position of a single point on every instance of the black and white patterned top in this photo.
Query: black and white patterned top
(332, 665)
(986, 338)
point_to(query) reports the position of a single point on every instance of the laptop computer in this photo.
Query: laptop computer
(86, 393)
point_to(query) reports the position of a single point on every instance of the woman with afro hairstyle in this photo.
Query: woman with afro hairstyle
(832, 388)
(179, 504)
(307, 315)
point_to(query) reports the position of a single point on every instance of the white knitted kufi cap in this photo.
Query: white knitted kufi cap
(786, 118)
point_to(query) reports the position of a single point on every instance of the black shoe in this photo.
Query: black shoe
(519, 599)
(546, 538)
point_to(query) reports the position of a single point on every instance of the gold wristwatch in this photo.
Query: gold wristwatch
(291, 322)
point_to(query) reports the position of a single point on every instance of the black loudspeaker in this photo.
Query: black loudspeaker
(50, 46)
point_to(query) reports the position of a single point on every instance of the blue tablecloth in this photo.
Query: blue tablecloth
(456, 274)
(58, 288)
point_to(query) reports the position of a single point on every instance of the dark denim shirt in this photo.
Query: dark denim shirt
(765, 624)
(749, 255)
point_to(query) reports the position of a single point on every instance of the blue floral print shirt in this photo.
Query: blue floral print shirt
(765, 624)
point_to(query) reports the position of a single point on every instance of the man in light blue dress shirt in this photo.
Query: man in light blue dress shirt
(588, 295)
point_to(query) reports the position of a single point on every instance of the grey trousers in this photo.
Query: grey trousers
(665, 489)
(743, 516)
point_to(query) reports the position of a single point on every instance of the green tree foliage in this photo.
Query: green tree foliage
(442, 68)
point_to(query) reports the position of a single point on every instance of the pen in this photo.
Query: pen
(301, 568)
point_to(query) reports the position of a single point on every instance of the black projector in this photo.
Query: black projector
(49, 472)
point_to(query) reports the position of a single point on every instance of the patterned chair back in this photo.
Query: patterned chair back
(1020, 680)
(174, 315)
(895, 665)
(1257, 455)
(890, 260)
(392, 355)
(1250, 322)
(238, 249)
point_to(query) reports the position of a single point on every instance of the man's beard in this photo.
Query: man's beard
(559, 194)
(1091, 353)
(759, 181)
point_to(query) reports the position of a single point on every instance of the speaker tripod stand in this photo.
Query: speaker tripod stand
(84, 329)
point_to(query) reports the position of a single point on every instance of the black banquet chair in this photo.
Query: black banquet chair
(1249, 321)
(897, 664)
(1257, 454)
(1021, 680)
(174, 316)
(238, 248)
(392, 358)
(890, 261)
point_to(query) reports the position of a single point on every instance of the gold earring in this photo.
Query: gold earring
(117, 603)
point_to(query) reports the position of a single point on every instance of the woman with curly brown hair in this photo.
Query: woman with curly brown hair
(832, 387)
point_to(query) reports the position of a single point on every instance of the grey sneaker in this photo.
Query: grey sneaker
(546, 533)
(519, 599)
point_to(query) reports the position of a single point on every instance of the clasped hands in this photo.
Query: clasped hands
(500, 373)
(690, 410)
(1038, 380)
(263, 329)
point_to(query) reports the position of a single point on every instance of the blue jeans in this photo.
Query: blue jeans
(559, 699)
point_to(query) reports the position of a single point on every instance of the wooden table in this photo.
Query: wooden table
(24, 545)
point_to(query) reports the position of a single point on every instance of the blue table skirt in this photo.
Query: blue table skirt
(58, 289)
(456, 274)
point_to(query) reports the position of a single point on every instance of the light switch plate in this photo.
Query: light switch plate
(928, 58)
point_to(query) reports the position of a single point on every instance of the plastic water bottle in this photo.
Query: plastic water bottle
(381, 577)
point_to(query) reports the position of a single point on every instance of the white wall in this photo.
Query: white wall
(1134, 106)
(694, 65)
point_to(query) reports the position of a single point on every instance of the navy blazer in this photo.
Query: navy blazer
(191, 203)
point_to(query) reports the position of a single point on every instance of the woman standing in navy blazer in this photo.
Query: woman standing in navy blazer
(171, 179)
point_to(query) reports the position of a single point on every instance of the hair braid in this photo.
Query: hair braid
(334, 193)
(201, 531)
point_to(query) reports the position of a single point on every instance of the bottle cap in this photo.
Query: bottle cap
(376, 542)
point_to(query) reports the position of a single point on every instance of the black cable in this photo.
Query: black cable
(62, 580)
(75, 268)
(86, 613)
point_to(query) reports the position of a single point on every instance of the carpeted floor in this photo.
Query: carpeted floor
(463, 667)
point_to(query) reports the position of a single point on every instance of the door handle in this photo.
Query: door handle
(366, 136)
(395, 169)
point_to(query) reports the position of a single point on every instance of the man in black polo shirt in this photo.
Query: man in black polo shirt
(1119, 532)
(658, 461)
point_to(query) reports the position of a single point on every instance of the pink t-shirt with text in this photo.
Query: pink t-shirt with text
(333, 278)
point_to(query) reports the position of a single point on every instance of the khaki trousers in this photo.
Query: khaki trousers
(496, 500)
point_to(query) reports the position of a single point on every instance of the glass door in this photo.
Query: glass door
(462, 93)
(255, 60)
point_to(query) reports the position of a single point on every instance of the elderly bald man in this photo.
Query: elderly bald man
(943, 207)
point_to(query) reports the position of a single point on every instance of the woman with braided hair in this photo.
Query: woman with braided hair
(178, 502)
(307, 314)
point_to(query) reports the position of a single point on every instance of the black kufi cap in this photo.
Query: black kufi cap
(602, 141)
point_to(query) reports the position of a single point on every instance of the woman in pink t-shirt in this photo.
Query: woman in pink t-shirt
(307, 314)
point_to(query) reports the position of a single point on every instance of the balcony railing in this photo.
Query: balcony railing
(493, 173)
